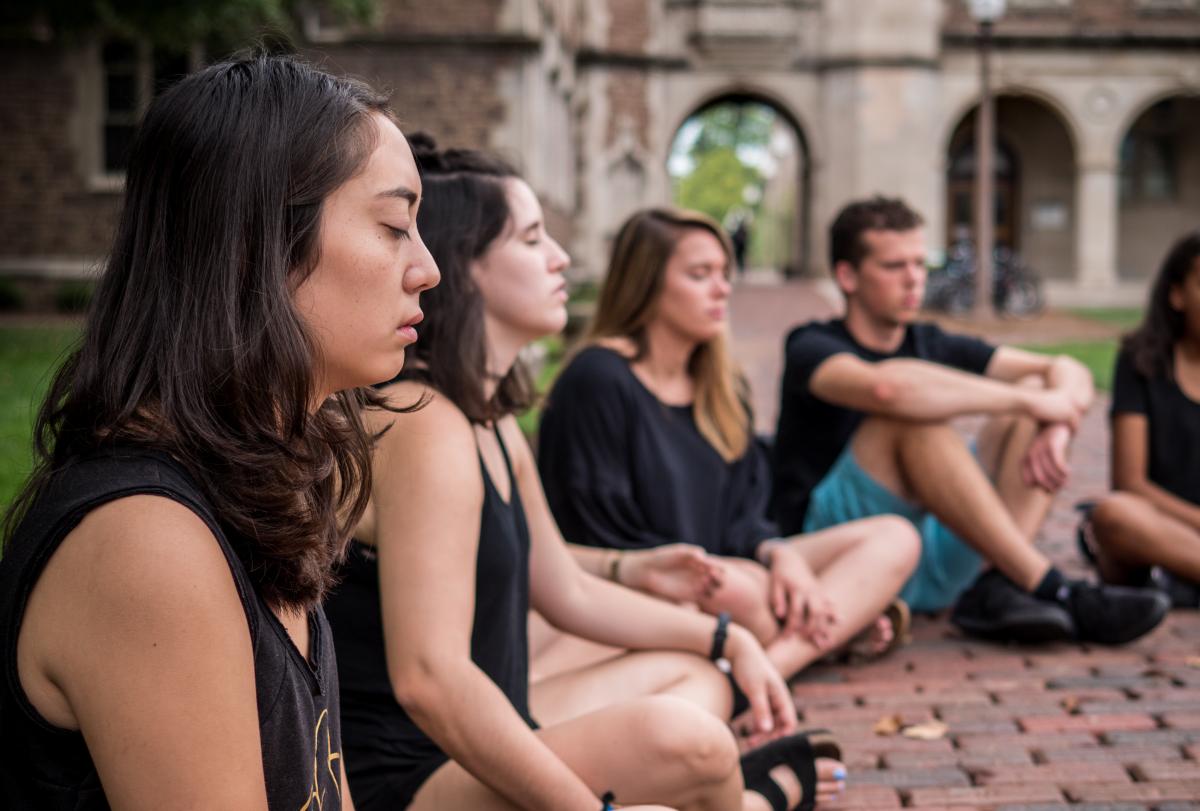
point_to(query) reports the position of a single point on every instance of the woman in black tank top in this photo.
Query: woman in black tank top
(430, 620)
(160, 623)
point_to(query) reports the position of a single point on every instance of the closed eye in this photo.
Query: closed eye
(397, 233)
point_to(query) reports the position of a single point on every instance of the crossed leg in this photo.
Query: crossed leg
(860, 567)
(1131, 534)
(647, 726)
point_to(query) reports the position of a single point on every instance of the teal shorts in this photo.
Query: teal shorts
(947, 564)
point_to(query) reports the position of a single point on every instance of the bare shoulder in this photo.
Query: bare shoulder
(516, 443)
(437, 424)
(135, 573)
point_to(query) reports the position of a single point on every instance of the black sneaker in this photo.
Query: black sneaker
(996, 608)
(1113, 615)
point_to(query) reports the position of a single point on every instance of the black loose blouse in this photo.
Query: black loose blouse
(621, 469)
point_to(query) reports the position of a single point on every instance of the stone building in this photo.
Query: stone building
(1098, 115)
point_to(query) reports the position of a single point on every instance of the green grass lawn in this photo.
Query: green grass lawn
(1098, 356)
(28, 357)
(1124, 317)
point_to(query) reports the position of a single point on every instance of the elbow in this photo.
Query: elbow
(886, 394)
(417, 684)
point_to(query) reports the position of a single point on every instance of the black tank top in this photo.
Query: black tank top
(48, 768)
(388, 756)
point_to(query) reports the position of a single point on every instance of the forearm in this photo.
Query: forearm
(604, 612)
(919, 390)
(1072, 377)
(1169, 503)
(594, 560)
(472, 721)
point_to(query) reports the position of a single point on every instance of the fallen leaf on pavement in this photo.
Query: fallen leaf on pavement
(887, 725)
(928, 731)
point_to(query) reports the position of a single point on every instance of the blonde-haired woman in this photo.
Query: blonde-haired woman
(646, 440)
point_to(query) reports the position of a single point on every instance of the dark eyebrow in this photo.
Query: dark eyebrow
(403, 192)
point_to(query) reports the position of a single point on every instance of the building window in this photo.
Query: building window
(133, 75)
(1149, 165)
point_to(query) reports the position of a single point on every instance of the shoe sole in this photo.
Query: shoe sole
(1026, 630)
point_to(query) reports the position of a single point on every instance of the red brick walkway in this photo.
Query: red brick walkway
(1060, 727)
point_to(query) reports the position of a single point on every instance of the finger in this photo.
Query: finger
(798, 611)
(760, 706)
(779, 598)
(785, 709)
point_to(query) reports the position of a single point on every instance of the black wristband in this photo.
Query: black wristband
(719, 633)
(607, 801)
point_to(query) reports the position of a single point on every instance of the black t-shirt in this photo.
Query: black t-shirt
(623, 470)
(1173, 421)
(812, 433)
(48, 768)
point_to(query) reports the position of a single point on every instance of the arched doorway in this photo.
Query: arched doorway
(1034, 169)
(1158, 184)
(743, 160)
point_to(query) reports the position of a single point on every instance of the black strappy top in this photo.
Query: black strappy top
(50, 769)
(388, 756)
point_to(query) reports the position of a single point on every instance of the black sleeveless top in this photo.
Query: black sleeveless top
(388, 756)
(48, 768)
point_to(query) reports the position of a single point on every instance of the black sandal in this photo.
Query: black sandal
(798, 752)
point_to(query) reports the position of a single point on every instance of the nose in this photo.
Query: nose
(723, 285)
(560, 260)
(423, 273)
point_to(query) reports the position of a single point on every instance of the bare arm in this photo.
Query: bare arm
(428, 495)
(1058, 373)
(135, 636)
(1130, 463)
(917, 390)
(584, 605)
(680, 572)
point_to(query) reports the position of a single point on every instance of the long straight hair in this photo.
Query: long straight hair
(192, 345)
(628, 303)
(1151, 346)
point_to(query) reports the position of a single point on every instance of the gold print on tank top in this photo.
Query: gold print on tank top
(316, 794)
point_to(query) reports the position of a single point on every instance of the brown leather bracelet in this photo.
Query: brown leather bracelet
(614, 568)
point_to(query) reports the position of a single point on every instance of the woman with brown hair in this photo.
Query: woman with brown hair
(202, 457)
(646, 439)
(458, 544)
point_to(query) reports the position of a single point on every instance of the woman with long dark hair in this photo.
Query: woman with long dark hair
(458, 544)
(647, 439)
(201, 455)
(1150, 527)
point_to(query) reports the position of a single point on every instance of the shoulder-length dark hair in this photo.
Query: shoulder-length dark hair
(192, 345)
(1151, 346)
(464, 210)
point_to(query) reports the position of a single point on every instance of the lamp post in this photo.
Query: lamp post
(985, 12)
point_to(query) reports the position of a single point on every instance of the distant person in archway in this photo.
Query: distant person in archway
(1153, 518)
(646, 441)
(864, 430)
(740, 237)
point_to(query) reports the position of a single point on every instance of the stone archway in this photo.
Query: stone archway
(744, 159)
(1158, 183)
(1035, 183)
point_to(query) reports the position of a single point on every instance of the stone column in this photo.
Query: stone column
(1097, 219)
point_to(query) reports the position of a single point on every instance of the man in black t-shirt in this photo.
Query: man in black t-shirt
(864, 430)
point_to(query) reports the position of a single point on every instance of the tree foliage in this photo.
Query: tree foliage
(172, 24)
(717, 183)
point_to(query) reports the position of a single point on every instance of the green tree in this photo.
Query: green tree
(171, 24)
(717, 183)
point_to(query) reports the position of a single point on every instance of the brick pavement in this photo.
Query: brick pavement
(1066, 726)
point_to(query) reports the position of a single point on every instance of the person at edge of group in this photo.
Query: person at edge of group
(864, 429)
(646, 438)
(160, 619)
(457, 544)
(1148, 531)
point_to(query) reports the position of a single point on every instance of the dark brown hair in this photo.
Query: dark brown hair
(464, 210)
(628, 302)
(1151, 347)
(874, 214)
(192, 345)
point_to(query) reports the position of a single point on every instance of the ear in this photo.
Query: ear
(846, 276)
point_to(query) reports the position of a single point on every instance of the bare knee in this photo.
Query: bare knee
(896, 544)
(675, 732)
(1118, 516)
